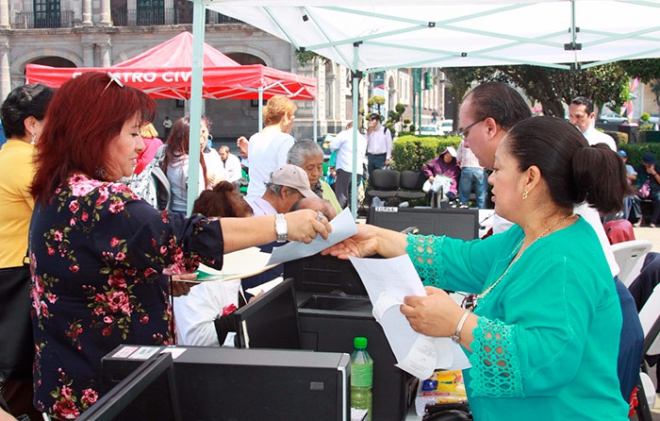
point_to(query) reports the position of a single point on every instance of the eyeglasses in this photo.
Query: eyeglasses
(469, 302)
(113, 78)
(463, 133)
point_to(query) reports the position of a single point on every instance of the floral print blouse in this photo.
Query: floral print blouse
(98, 256)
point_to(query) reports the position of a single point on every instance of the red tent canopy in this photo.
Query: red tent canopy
(165, 72)
(177, 52)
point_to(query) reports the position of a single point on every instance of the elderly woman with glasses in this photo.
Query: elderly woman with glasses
(100, 254)
(308, 155)
(543, 335)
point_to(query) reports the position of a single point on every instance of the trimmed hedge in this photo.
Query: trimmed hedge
(635, 151)
(619, 137)
(412, 152)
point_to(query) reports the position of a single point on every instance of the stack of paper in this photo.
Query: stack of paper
(388, 282)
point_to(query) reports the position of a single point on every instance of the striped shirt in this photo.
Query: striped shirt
(466, 158)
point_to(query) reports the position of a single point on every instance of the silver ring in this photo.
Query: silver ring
(319, 216)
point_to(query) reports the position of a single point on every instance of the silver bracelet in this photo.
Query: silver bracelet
(456, 337)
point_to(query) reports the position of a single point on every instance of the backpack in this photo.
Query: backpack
(162, 188)
(160, 182)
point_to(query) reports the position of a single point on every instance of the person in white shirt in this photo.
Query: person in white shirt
(242, 144)
(581, 114)
(231, 164)
(379, 144)
(214, 168)
(267, 150)
(343, 144)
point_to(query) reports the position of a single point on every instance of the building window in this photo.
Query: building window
(47, 14)
(404, 96)
(150, 12)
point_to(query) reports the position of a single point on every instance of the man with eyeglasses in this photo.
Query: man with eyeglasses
(488, 112)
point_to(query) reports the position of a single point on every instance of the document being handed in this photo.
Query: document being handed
(387, 282)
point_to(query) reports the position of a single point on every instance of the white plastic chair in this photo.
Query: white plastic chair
(649, 317)
(629, 255)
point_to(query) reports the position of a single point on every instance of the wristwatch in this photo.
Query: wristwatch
(281, 228)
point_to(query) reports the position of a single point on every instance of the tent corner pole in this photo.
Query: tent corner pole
(354, 164)
(261, 108)
(315, 122)
(194, 167)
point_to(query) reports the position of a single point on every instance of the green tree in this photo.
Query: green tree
(308, 57)
(377, 101)
(648, 71)
(605, 85)
(461, 78)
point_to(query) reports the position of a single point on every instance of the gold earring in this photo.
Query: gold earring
(525, 194)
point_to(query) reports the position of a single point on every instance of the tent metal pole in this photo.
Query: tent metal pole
(261, 108)
(315, 122)
(419, 99)
(356, 80)
(194, 167)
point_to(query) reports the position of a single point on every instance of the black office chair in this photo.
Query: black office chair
(410, 185)
(384, 184)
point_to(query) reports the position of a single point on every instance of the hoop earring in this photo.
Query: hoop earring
(525, 194)
(33, 138)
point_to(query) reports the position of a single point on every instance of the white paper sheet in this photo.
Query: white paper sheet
(388, 282)
(235, 265)
(265, 287)
(343, 226)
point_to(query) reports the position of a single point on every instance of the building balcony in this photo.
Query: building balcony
(29, 20)
(132, 17)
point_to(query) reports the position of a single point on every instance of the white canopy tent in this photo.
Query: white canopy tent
(374, 35)
(458, 33)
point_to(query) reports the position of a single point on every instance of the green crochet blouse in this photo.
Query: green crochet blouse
(546, 343)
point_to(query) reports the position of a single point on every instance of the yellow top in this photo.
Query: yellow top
(16, 202)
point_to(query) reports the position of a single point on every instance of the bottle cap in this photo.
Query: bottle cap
(360, 342)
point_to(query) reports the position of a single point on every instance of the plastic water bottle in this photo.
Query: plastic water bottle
(362, 375)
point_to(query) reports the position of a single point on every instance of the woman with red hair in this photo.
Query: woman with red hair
(99, 254)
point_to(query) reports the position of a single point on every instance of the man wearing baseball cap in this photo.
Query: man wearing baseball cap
(287, 184)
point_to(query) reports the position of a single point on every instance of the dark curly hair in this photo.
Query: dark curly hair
(224, 200)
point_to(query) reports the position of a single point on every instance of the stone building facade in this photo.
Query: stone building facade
(100, 33)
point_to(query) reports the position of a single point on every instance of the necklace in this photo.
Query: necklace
(494, 284)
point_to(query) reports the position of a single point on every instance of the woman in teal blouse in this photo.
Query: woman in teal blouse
(543, 337)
